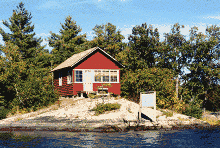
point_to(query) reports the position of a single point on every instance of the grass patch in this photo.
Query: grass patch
(101, 107)
(167, 113)
(211, 121)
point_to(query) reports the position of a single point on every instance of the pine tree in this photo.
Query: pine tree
(25, 81)
(144, 43)
(67, 42)
(108, 38)
(22, 35)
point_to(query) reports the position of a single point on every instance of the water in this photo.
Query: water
(168, 139)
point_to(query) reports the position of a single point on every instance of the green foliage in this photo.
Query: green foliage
(3, 112)
(150, 65)
(25, 79)
(92, 96)
(101, 108)
(14, 71)
(143, 42)
(213, 103)
(25, 87)
(67, 42)
(167, 113)
(108, 38)
(151, 79)
(193, 109)
(171, 52)
(203, 54)
(22, 34)
(37, 90)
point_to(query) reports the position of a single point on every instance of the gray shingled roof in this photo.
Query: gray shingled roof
(70, 62)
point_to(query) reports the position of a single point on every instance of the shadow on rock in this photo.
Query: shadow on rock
(51, 119)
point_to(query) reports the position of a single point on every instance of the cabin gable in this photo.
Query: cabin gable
(96, 61)
(87, 74)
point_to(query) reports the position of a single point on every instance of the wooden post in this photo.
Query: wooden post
(140, 106)
(155, 106)
(177, 85)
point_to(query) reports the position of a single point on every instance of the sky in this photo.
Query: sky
(124, 14)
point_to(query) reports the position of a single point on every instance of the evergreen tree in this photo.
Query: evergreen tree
(108, 38)
(67, 42)
(22, 34)
(25, 81)
(144, 43)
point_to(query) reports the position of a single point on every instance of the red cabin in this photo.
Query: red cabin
(87, 71)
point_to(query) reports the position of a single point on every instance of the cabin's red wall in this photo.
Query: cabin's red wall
(77, 87)
(115, 88)
(97, 61)
(65, 89)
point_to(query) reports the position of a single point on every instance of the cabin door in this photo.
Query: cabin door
(88, 79)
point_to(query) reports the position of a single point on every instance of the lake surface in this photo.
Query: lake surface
(168, 139)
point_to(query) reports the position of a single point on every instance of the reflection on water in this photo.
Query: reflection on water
(89, 140)
(151, 138)
(184, 138)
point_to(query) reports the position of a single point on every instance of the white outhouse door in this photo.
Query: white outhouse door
(88, 79)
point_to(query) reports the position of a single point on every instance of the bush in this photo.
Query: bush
(150, 79)
(167, 113)
(193, 109)
(101, 108)
(3, 112)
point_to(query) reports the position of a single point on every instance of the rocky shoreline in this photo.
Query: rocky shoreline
(108, 128)
(78, 117)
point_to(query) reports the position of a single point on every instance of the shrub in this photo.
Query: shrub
(101, 107)
(150, 79)
(212, 121)
(168, 113)
(193, 109)
(3, 112)
(92, 96)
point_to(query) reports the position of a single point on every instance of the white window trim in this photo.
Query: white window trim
(60, 79)
(101, 74)
(94, 75)
(75, 75)
(110, 75)
(70, 72)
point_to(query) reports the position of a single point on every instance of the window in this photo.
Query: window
(78, 76)
(69, 77)
(60, 79)
(105, 76)
(98, 76)
(113, 75)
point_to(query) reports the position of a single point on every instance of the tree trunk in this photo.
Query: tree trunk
(177, 87)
